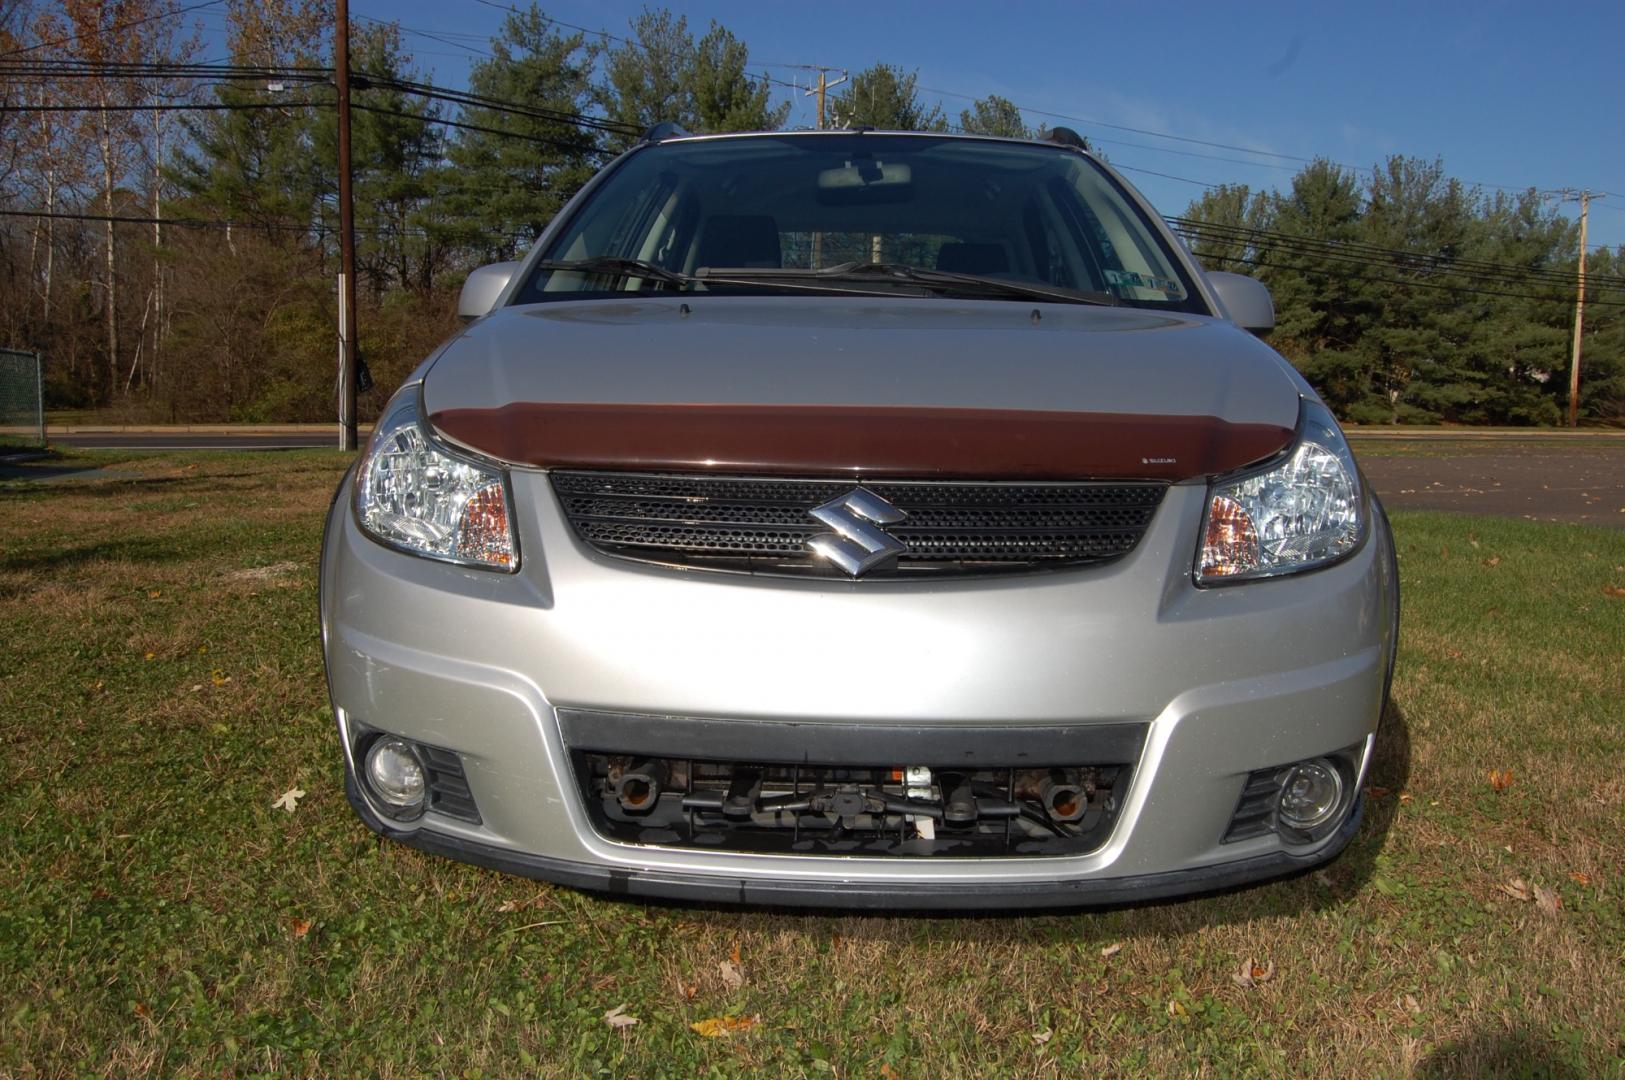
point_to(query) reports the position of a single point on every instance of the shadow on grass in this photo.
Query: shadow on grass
(1500, 1053)
(153, 549)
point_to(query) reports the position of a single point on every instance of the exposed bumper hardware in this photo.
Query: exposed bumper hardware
(856, 810)
(859, 893)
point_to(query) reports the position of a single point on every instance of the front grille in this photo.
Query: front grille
(776, 807)
(762, 525)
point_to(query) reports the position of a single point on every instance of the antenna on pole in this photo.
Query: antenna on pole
(824, 85)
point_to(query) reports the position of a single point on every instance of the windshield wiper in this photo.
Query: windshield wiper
(620, 267)
(947, 278)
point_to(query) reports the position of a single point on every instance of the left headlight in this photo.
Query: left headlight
(412, 494)
(1305, 512)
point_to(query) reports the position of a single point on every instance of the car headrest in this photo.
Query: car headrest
(973, 259)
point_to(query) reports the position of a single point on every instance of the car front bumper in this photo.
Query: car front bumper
(1222, 682)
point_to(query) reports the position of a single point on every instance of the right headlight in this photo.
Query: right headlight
(412, 493)
(1305, 512)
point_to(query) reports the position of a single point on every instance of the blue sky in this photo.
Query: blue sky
(1507, 94)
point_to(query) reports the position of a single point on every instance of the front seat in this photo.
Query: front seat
(973, 259)
(750, 240)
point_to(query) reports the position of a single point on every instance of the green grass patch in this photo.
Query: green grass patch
(163, 685)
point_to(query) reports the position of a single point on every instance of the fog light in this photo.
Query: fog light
(395, 774)
(1311, 794)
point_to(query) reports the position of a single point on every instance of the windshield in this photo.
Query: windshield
(945, 216)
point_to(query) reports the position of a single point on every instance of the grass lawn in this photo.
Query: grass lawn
(162, 685)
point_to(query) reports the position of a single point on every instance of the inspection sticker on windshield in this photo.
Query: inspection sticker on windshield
(1133, 279)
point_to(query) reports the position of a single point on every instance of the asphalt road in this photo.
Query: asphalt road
(193, 441)
(1539, 479)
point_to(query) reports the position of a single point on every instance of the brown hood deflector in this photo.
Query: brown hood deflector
(861, 441)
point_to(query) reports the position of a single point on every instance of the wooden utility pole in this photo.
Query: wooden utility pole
(823, 87)
(347, 352)
(1585, 198)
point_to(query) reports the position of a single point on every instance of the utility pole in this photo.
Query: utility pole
(1585, 198)
(823, 87)
(347, 352)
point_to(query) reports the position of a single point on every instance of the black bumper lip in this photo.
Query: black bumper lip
(861, 895)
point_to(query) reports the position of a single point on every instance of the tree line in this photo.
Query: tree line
(212, 297)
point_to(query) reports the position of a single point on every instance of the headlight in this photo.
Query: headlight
(412, 494)
(1305, 512)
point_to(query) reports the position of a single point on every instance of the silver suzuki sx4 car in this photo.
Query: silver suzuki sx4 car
(860, 519)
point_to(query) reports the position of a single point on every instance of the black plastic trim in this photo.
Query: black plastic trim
(823, 743)
(827, 892)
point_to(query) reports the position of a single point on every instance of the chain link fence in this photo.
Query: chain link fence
(22, 399)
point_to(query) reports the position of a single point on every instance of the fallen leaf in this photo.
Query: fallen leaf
(1579, 878)
(1473, 540)
(1412, 1006)
(1176, 1009)
(152, 655)
(733, 976)
(1042, 1037)
(1500, 779)
(154, 594)
(617, 1018)
(197, 687)
(1251, 973)
(1517, 888)
(507, 906)
(289, 799)
(734, 955)
(1615, 591)
(1375, 792)
(1111, 950)
(300, 927)
(218, 677)
(717, 1026)
(1548, 901)
(1493, 561)
(887, 1072)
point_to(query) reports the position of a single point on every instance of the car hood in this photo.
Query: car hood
(881, 387)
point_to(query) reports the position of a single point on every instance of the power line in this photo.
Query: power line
(563, 144)
(1255, 261)
(168, 106)
(116, 28)
(1350, 249)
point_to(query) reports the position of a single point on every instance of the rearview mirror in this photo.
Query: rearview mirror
(482, 288)
(1246, 300)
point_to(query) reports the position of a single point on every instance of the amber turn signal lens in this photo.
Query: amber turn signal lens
(1230, 545)
(484, 536)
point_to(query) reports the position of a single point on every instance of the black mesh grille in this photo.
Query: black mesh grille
(746, 524)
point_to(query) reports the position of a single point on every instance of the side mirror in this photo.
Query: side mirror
(1245, 300)
(482, 288)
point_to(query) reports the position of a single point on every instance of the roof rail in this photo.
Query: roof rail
(666, 129)
(1065, 136)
